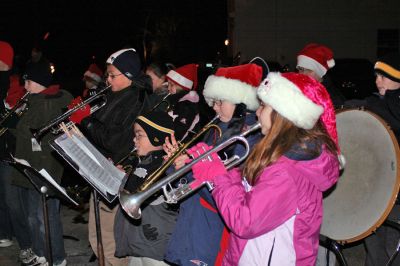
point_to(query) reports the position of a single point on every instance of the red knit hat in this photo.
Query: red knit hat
(94, 72)
(316, 57)
(185, 76)
(6, 53)
(237, 84)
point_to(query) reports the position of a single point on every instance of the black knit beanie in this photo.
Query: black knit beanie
(127, 61)
(389, 66)
(40, 73)
(157, 125)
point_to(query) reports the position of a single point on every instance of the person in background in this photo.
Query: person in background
(182, 83)
(92, 77)
(110, 131)
(273, 204)
(200, 235)
(386, 103)
(46, 102)
(315, 60)
(6, 63)
(145, 240)
(158, 74)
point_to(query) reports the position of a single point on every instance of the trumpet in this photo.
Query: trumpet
(40, 132)
(131, 202)
(164, 100)
(128, 168)
(16, 109)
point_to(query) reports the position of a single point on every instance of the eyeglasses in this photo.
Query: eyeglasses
(112, 76)
(216, 102)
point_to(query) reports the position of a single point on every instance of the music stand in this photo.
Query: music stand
(44, 184)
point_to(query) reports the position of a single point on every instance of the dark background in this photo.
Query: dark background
(86, 31)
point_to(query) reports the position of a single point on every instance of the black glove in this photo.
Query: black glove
(150, 232)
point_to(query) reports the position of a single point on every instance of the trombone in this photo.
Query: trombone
(16, 109)
(131, 202)
(40, 132)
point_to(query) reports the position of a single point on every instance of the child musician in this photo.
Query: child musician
(273, 205)
(145, 240)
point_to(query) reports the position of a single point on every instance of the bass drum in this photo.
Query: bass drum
(367, 188)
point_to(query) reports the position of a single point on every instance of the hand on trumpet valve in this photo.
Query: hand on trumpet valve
(81, 113)
(208, 168)
(170, 146)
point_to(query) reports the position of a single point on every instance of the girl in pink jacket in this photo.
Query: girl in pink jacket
(273, 205)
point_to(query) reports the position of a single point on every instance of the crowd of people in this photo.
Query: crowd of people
(267, 210)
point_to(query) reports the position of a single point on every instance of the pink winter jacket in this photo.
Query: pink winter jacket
(278, 221)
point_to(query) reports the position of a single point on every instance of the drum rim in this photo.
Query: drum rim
(396, 186)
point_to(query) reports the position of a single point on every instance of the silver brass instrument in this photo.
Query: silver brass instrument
(164, 100)
(131, 202)
(18, 109)
(53, 124)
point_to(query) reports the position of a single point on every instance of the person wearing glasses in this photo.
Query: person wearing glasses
(200, 235)
(110, 130)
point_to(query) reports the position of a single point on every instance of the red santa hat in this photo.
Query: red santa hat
(185, 76)
(300, 99)
(237, 84)
(6, 54)
(316, 57)
(94, 72)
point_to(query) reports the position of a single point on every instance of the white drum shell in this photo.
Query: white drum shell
(368, 186)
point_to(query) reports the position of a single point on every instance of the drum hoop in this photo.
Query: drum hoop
(396, 186)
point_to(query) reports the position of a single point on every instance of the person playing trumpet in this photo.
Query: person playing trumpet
(145, 240)
(273, 204)
(200, 235)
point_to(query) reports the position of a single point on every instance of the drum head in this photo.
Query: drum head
(366, 190)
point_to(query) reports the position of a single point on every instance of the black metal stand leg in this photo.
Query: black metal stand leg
(47, 229)
(394, 255)
(100, 250)
(336, 248)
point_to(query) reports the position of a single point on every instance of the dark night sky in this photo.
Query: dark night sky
(80, 29)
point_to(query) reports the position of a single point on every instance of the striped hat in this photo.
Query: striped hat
(389, 66)
(157, 126)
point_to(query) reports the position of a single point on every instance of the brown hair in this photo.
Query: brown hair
(279, 140)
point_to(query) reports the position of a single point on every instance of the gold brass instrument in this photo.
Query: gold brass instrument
(53, 125)
(127, 168)
(131, 202)
(164, 100)
(16, 109)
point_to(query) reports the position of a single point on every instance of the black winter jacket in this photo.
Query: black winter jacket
(110, 128)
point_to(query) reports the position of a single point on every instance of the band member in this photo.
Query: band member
(45, 101)
(145, 240)
(315, 60)
(273, 205)
(200, 234)
(382, 244)
(92, 77)
(158, 74)
(110, 130)
(182, 83)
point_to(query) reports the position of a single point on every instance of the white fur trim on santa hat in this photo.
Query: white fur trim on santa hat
(232, 90)
(288, 100)
(180, 80)
(92, 75)
(311, 64)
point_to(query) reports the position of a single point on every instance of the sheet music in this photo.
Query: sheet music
(91, 164)
(51, 180)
